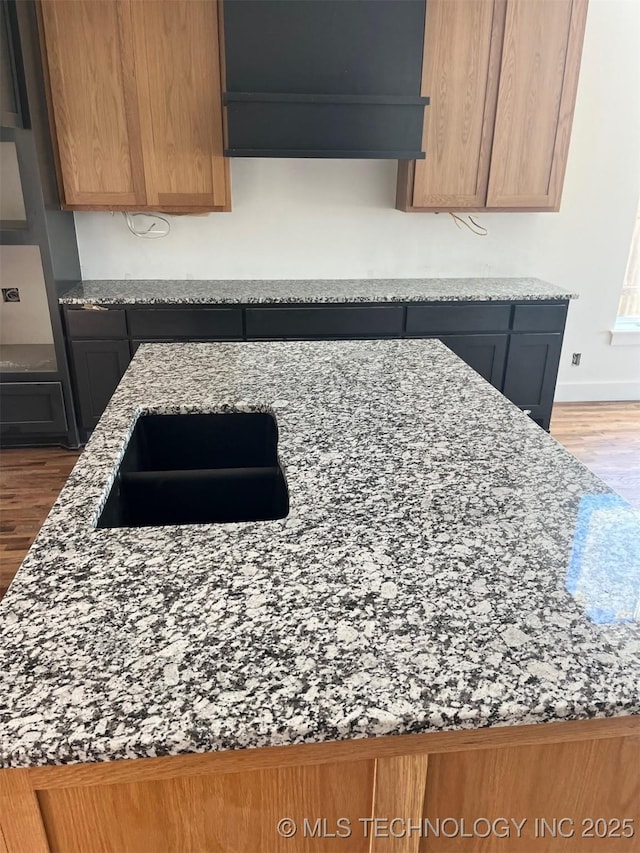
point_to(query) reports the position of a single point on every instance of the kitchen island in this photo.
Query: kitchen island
(444, 625)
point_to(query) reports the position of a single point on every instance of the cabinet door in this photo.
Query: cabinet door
(178, 77)
(460, 77)
(485, 353)
(530, 376)
(93, 101)
(536, 97)
(97, 366)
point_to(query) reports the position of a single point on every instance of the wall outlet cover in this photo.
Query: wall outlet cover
(10, 294)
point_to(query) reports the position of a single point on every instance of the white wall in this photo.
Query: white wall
(335, 219)
(27, 321)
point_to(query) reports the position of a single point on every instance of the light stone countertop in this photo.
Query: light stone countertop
(445, 565)
(249, 292)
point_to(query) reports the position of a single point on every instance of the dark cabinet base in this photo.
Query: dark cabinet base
(514, 346)
(97, 368)
(31, 410)
(530, 377)
(487, 354)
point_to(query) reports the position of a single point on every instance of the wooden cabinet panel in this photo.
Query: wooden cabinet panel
(98, 366)
(459, 75)
(399, 792)
(94, 108)
(178, 76)
(134, 92)
(502, 76)
(592, 779)
(236, 812)
(536, 97)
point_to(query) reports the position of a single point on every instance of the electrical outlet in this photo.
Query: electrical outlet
(575, 359)
(10, 294)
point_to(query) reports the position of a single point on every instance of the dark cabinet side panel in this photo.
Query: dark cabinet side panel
(97, 366)
(349, 321)
(532, 369)
(486, 354)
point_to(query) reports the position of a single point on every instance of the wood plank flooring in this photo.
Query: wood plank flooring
(605, 436)
(30, 481)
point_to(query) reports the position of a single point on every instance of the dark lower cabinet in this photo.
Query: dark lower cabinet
(31, 409)
(457, 317)
(487, 354)
(136, 343)
(98, 366)
(342, 321)
(532, 369)
(185, 323)
(514, 346)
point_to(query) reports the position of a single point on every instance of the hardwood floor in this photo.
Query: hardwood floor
(30, 481)
(605, 436)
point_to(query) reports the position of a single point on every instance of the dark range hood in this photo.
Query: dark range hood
(324, 78)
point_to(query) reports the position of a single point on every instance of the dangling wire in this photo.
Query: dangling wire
(475, 227)
(148, 233)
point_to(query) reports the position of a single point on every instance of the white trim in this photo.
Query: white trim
(594, 392)
(626, 332)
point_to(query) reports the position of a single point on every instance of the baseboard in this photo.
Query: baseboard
(594, 392)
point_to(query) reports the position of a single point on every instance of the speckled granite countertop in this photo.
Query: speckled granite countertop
(188, 291)
(445, 565)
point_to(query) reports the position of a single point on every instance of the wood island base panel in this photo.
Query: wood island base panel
(569, 787)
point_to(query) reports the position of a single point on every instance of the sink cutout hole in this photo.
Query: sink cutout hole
(198, 469)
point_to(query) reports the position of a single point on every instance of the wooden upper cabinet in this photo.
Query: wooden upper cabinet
(180, 101)
(135, 101)
(538, 82)
(459, 74)
(93, 101)
(502, 77)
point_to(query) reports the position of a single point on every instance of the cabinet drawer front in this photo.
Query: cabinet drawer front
(205, 323)
(539, 318)
(85, 323)
(32, 408)
(343, 321)
(460, 317)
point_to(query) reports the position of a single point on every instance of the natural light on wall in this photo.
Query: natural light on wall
(629, 308)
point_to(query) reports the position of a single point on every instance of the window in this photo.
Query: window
(629, 308)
